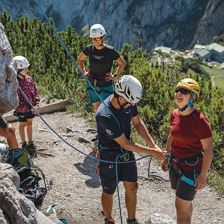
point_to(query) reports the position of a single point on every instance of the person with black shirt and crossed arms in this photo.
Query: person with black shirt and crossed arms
(101, 59)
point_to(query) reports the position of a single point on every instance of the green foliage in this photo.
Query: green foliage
(50, 66)
(193, 64)
(57, 77)
(217, 181)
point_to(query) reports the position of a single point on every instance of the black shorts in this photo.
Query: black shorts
(24, 116)
(126, 171)
(183, 184)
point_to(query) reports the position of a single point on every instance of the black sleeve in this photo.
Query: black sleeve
(115, 54)
(134, 111)
(3, 123)
(86, 51)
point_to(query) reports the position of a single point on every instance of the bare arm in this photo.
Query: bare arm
(4, 124)
(169, 143)
(208, 154)
(80, 60)
(201, 181)
(121, 65)
(164, 164)
(133, 147)
(142, 131)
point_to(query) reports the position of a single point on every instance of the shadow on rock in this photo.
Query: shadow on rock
(88, 167)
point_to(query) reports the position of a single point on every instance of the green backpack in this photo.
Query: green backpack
(18, 158)
(29, 174)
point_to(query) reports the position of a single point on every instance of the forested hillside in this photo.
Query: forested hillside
(58, 78)
(146, 23)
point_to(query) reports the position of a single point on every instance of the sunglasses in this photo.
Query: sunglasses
(182, 91)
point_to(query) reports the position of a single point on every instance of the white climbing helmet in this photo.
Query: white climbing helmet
(21, 62)
(129, 88)
(97, 30)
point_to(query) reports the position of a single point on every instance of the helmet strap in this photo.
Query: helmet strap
(190, 103)
(121, 106)
(20, 76)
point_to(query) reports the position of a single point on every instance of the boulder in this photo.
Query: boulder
(14, 207)
(8, 81)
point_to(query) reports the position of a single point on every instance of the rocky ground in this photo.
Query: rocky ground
(76, 186)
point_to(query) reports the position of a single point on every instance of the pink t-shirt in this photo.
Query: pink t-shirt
(28, 87)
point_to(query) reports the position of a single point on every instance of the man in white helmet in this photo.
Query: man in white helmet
(114, 117)
(101, 58)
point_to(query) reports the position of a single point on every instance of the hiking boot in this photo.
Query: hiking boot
(31, 149)
(24, 145)
(132, 221)
(106, 221)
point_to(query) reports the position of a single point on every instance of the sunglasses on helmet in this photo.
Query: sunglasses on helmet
(182, 91)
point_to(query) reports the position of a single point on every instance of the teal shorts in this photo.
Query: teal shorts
(103, 92)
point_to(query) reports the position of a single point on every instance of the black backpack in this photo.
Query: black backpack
(32, 179)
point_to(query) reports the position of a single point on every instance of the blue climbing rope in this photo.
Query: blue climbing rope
(89, 83)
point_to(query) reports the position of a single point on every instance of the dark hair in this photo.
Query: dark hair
(19, 70)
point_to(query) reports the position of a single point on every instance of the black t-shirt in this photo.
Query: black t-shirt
(112, 123)
(100, 61)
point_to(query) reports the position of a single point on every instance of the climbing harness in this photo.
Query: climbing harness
(191, 161)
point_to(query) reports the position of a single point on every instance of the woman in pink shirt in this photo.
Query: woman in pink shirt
(24, 111)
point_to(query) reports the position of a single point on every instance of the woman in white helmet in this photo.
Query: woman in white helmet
(24, 111)
(114, 118)
(101, 58)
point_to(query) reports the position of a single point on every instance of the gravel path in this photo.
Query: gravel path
(76, 187)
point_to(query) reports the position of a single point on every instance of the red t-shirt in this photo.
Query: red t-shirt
(186, 132)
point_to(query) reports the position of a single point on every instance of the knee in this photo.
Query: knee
(22, 124)
(107, 195)
(132, 189)
(109, 191)
(184, 213)
(29, 122)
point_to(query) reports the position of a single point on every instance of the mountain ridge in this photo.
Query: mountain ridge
(173, 23)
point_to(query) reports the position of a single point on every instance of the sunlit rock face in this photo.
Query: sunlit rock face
(8, 80)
